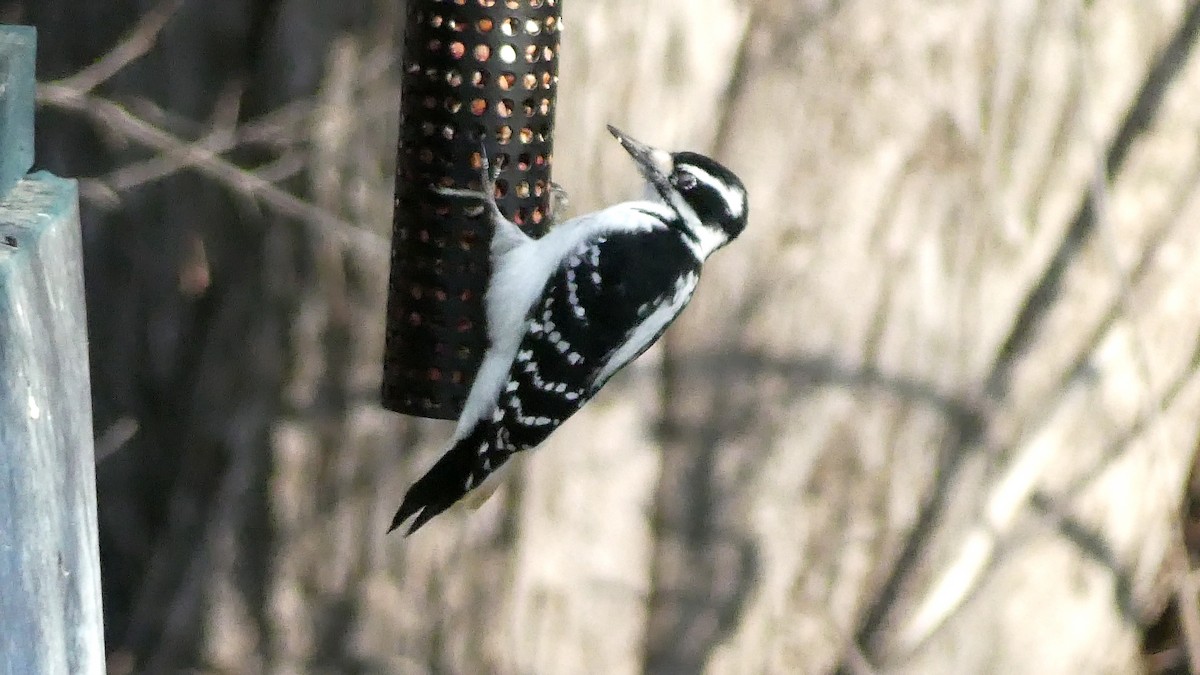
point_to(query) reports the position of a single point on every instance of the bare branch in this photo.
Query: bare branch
(135, 45)
(115, 437)
(118, 120)
(271, 128)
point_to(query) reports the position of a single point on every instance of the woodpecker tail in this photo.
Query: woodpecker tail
(460, 470)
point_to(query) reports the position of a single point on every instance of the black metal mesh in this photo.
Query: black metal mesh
(475, 71)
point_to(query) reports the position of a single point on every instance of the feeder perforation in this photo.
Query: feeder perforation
(473, 70)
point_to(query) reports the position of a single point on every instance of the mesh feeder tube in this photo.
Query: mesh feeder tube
(476, 74)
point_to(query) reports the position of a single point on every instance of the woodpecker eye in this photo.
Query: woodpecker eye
(684, 180)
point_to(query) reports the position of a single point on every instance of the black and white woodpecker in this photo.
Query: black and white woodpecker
(567, 311)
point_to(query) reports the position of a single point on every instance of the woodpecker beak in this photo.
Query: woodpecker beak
(654, 164)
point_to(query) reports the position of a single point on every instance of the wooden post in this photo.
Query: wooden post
(50, 619)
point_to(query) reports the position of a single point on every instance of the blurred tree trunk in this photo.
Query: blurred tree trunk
(933, 412)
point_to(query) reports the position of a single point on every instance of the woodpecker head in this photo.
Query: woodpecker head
(710, 199)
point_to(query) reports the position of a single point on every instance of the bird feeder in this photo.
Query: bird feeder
(478, 76)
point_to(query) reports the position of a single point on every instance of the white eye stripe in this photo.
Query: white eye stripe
(735, 198)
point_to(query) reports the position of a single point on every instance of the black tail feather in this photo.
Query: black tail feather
(445, 483)
(436, 491)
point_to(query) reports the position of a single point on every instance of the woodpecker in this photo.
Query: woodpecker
(566, 311)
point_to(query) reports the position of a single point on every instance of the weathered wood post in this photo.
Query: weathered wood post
(50, 620)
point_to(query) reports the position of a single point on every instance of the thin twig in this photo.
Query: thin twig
(115, 437)
(1152, 404)
(271, 128)
(118, 120)
(267, 129)
(136, 44)
(73, 94)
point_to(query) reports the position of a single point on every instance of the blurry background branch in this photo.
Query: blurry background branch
(180, 155)
(73, 94)
(140, 40)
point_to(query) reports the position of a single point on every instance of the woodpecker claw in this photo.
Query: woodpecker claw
(488, 175)
(558, 203)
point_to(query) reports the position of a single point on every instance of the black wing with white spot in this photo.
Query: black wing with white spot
(612, 297)
(608, 302)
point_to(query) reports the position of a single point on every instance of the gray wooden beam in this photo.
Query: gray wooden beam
(50, 618)
(17, 44)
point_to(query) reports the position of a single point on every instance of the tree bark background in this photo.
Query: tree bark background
(934, 412)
